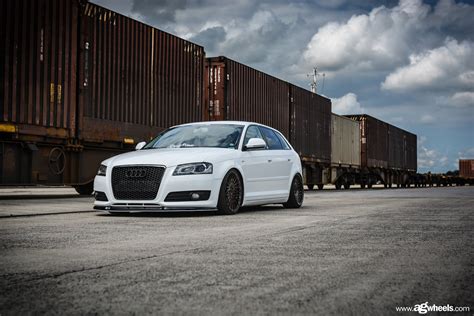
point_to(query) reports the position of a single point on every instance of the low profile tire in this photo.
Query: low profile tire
(231, 193)
(295, 200)
(85, 189)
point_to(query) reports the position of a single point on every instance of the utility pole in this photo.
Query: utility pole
(314, 80)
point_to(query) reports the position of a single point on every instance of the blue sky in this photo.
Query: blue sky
(408, 62)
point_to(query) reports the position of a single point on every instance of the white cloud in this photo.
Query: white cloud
(427, 119)
(446, 67)
(429, 158)
(467, 153)
(379, 39)
(347, 104)
(465, 98)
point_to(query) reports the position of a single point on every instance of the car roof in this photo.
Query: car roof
(224, 122)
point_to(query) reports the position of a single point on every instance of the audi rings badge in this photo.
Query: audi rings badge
(135, 173)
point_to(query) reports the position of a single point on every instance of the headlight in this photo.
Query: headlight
(193, 168)
(102, 170)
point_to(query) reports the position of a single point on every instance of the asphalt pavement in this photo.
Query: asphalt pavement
(355, 252)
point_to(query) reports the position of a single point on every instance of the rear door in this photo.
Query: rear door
(256, 166)
(279, 158)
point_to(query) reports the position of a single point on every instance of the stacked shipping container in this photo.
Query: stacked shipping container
(238, 92)
(81, 83)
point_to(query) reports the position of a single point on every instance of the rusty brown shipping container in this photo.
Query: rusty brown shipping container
(80, 83)
(238, 92)
(38, 60)
(373, 141)
(135, 80)
(310, 125)
(386, 146)
(466, 168)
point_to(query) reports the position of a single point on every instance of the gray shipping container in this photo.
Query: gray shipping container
(345, 142)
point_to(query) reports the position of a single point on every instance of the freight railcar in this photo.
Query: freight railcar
(235, 91)
(345, 152)
(80, 83)
(388, 153)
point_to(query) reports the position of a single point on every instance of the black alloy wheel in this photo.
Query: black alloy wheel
(231, 194)
(295, 200)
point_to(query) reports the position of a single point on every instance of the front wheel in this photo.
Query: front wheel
(295, 200)
(230, 194)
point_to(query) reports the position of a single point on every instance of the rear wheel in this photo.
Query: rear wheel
(231, 193)
(295, 200)
(320, 186)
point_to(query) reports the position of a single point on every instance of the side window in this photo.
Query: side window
(271, 138)
(282, 141)
(252, 132)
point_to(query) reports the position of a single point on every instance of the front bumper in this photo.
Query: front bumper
(169, 183)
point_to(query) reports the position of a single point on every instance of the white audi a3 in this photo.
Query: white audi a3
(219, 165)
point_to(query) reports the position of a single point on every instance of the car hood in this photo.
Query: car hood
(170, 157)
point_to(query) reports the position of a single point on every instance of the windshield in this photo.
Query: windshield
(199, 135)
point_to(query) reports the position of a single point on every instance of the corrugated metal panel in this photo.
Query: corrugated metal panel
(466, 168)
(238, 92)
(397, 153)
(345, 141)
(386, 146)
(373, 141)
(411, 161)
(402, 149)
(37, 66)
(135, 79)
(310, 125)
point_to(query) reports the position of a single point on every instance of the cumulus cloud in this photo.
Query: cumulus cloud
(446, 67)
(462, 99)
(347, 104)
(367, 41)
(428, 157)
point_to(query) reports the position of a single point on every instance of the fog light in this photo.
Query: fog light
(195, 196)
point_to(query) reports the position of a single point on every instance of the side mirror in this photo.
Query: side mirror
(140, 145)
(255, 143)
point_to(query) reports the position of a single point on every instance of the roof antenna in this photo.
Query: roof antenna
(314, 80)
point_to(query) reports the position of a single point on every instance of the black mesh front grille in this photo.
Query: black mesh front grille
(136, 182)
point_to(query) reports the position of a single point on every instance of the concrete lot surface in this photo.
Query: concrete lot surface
(353, 252)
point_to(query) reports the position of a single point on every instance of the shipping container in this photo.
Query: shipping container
(38, 59)
(238, 92)
(402, 149)
(310, 125)
(373, 141)
(135, 80)
(345, 138)
(466, 168)
(80, 83)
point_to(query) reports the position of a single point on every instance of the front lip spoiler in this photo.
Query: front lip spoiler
(155, 207)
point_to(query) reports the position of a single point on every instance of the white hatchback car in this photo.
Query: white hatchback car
(219, 165)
